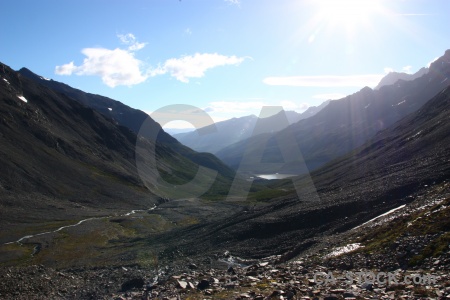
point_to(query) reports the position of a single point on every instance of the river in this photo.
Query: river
(79, 223)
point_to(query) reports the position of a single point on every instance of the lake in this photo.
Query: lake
(275, 176)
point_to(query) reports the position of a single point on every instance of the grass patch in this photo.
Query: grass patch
(87, 244)
(15, 254)
(268, 194)
(148, 259)
(380, 238)
(143, 225)
(437, 247)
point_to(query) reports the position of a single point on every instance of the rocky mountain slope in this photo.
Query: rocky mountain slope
(131, 118)
(342, 125)
(54, 147)
(62, 160)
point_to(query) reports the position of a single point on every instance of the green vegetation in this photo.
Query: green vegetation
(29, 229)
(98, 242)
(148, 259)
(268, 194)
(434, 249)
(15, 254)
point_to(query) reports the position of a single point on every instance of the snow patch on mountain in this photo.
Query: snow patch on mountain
(22, 98)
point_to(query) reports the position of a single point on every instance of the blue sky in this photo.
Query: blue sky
(227, 57)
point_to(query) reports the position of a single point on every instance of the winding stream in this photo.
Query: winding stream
(79, 223)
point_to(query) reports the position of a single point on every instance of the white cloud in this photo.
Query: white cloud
(130, 39)
(195, 66)
(177, 124)
(288, 105)
(188, 31)
(331, 96)
(181, 119)
(66, 69)
(235, 2)
(234, 107)
(407, 69)
(120, 67)
(326, 80)
(388, 70)
(291, 105)
(223, 110)
(115, 67)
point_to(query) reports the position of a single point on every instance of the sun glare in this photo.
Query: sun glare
(350, 14)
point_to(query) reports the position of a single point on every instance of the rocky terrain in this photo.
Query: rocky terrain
(377, 260)
(297, 280)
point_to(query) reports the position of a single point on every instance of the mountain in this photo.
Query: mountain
(403, 166)
(393, 77)
(131, 118)
(62, 160)
(311, 111)
(342, 125)
(391, 169)
(234, 130)
(58, 156)
(222, 133)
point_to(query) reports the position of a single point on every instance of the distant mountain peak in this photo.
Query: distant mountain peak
(28, 72)
(237, 129)
(393, 77)
(440, 65)
(366, 89)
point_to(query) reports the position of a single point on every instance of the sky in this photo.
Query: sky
(227, 57)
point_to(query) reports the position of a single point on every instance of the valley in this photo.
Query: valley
(90, 193)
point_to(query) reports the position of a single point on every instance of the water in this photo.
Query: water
(275, 176)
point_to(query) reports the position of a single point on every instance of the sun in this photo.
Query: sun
(348, 14)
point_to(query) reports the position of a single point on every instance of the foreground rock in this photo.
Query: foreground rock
(300, 279)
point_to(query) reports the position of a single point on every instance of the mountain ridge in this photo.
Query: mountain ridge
(64, 161)
(132, 119)
(344, 124)
(238, 129)
(393, 77)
